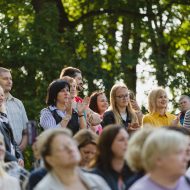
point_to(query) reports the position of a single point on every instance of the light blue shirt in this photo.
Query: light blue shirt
(16, 116)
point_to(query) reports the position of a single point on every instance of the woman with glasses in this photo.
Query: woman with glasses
(120, 111)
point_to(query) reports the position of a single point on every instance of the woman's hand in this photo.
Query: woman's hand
(133, 127)
(68, 106)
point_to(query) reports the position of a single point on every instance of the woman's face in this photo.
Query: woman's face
(2, 96)
(87, 152)
(64, 152)
(162, 101)
(73, 89)
(122, 97)
(102, 103)
(63, 96)
(174, 164)
(2, 150)
(119, 145)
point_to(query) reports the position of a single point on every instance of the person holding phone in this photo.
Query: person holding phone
(135, 106)
(120, 111)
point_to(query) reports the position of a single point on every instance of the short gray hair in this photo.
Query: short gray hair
(161, 143)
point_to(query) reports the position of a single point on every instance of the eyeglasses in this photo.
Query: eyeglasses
(123, 96)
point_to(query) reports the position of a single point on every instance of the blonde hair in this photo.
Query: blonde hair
(152, 97)
(4, 70)
(46, 142)
(134, 150)
(113, 106)
(161, 143)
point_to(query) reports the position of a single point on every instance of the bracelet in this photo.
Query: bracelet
(81, 115)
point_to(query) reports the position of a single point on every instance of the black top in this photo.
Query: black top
(108, 118)
(6, 131)
(112, 177)
(73, 124)
(36, 176)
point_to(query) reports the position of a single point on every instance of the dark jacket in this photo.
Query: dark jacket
(112, 177)
(73, 124)
(108, 118)
(9, 139)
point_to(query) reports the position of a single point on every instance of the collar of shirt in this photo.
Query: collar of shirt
(10, 97)
(159, 115)
(60, 112)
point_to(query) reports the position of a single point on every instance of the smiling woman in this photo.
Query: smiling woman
(157, 107)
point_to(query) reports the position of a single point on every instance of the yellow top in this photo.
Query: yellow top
(157, 120)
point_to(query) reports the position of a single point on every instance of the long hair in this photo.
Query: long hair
(105, 155)
(113, 106)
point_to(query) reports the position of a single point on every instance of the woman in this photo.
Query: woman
(133, 154)
(78, 107)
(59, 112)
(135, 106)
(98, 102)
(13, 152)
(109, 162)
(7, 182)
(120, 111)
(157, 107)
(61, 158)
(165, 160)
(87, 145)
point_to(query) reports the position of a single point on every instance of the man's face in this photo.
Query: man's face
(184, 104)
(6, 81)
(79, 81)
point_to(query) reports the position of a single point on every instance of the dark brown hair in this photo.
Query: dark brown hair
(105, 155)
(69, 71)
(93, 101)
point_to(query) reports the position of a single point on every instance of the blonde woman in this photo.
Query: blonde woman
(61, 158)
(165, 160)
(120, 111)
(133, 154)
(157, 107)
(7, 182)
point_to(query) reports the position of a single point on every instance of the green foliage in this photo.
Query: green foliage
(105, 39)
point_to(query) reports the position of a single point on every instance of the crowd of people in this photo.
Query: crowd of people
(91, 143)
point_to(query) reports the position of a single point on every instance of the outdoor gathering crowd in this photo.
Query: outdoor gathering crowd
(90, 144)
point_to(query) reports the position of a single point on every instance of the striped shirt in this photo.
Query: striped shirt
(187, 119)
(47, 120)
(16, 116)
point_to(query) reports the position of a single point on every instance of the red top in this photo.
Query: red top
(78, 99)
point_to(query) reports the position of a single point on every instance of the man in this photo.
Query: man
(15, 110)
(184, 105)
